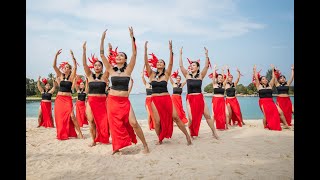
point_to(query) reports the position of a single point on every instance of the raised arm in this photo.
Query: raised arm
(87, 86)
(256, 77)
(146, 63)
(74, 84)
(56, 69)
(171, 80)
(130, 85)
(54, 86)
(74, 70)
(224, 79)
(183, 70)
(271, 83)
(214, 75)
(238, 78)
(84, 60)
(142, 77)
(184, 83)
(169, 70)
(39, 85)
(292, 74)
(134, 52)
(103, 57)
(206, 66)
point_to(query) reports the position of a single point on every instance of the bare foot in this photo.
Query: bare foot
(145, 150)
(114, 152)
(215, 135)
(243, 123)
(92, 144)
(38, 126)
(189, 140)
(159, 142)
(80, 136)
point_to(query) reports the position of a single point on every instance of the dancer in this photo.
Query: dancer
(218, 102)
(96, 108)
(122, 120)
(272, 114)
(45, 118)
(163, 110)
(82, 91)
(176, 95)
(66, 122)
(148, 100)
(233, 106)
(283, 99)
(196, 105)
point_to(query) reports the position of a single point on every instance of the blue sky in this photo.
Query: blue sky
(237, 33)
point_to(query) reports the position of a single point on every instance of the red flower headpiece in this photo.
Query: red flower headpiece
(190, 62)
(44, 80)
(175, 74)
(277, 73)
(146, 73)
(80, 80)
(112, 56)
(209, 63)
(92, 61)
(210, 75)
(253, 77)
(153, 60)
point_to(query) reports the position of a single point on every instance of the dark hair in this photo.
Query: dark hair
(125, 55)
(261, 77)
(281, 76)
(198, 72)
(163, 71)
(179, 76)
(220, 74)
(99, 62)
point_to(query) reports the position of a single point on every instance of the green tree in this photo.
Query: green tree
(208, 88)
(251, 87)
(291, 89)
(269, 74)
(241, 89)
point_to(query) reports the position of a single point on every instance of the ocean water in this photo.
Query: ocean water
(249, 106)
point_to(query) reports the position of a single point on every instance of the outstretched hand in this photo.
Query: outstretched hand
(255, 67)
(131, 32)
(85, 45)
(292, 67)
(181, 50)
(206, 51)
(59, 52)
(104, 34)
(146, 45)
(39, 78)
(170, 45)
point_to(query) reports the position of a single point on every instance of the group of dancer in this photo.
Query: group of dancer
(108, 111)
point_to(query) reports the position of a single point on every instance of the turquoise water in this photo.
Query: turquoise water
(249, 106)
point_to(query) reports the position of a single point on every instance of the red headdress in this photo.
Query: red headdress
(153, 60)
(277, 73)
(146, 73)
(44, 80)
(112, 56)
(210, 75)
(62, 65)
(190, 62)
(92, 61)
(175, 74)
(253, 77)
(80, 80)
(209, 63)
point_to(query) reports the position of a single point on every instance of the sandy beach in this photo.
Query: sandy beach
(250, 152)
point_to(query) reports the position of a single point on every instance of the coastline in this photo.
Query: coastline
(206, 158)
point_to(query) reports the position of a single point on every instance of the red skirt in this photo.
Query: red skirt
(149, 109)
(271, 113)
(219, 111)
(196, 103)
(236, 112)
(62, 116)
(46, 114)
(100, 116)
(177, 102)
(81, 113)
(286, 106)
(164, 108)
(122, 132)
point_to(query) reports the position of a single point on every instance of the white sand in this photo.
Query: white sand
(250, 152)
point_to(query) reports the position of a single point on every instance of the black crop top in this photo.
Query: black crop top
(65, 86)
(194, 85)
(46, 96)
(82, 96)
(148, 91)
(265, 93)
(231, 92)
(97, 87)
(120, 83)
(283, 89)
(159, 87)
(177, 90)
(219, 90)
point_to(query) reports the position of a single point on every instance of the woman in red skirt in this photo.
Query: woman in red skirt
(96, 109)
(176, 95)
(272, 114)
(82, 91)
(121, 117)
(196, 105)
(163, 110)
(218, 102)
(66, 122)
(148, 100)
(283, 99)
(45, 118)
(233, 106)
